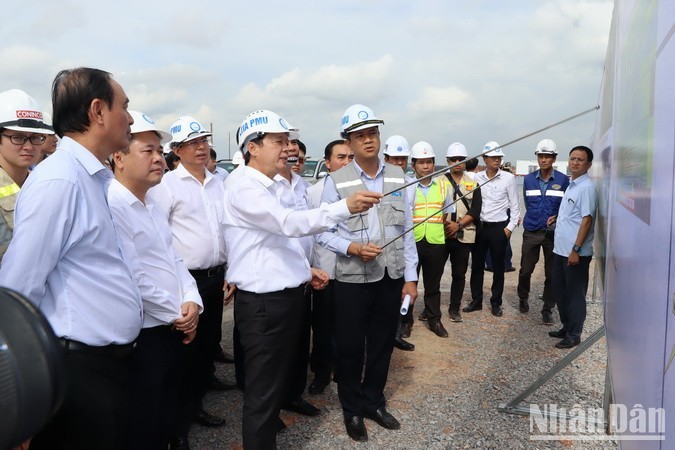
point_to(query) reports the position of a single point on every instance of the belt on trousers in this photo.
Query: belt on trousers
(288, 291)
(113, 350)
(494, 224)
(207, 273)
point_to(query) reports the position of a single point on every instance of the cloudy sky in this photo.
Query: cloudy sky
(440, 71)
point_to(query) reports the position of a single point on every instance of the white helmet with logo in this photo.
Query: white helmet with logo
(261, 122)
(144, 123)
(358, 117)
(546, 147)
(20, 112)
(396, 146)
(187, 128)
(422, 150)
(492, 145)
(456, 149)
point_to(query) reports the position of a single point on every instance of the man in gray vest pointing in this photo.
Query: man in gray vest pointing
(371, 280)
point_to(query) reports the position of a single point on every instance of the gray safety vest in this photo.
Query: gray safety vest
(391, 216)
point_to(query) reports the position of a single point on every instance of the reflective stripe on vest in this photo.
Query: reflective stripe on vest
(10, 189)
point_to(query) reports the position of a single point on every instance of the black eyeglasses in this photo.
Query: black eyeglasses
(456, 158)
(18, 139)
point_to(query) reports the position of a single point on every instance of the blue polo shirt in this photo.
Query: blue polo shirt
(580, 200)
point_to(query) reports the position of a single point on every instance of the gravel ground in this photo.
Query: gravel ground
(446, 392)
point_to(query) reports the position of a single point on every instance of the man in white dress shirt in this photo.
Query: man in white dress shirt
(192, 199)
(171, 301)
(270, 269)
(499, 195)
(65, 258)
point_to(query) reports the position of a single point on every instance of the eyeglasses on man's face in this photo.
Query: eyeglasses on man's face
(21, 139)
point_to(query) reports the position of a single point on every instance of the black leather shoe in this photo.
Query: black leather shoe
(437, 327)
(401, 344)
(208, 420)
(405, 329)
(220, 385)
(473, 306)
(356, 429)
(547, 318)
(497, 311)
(510, 269)
(424, 316)
(560, 334)
(179, 443)
(384, 419)
(568, 343)
(224, 357)
(524, 306)
(319, 384)
(302, 406)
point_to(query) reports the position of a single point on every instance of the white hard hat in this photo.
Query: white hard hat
(357, 117)
(546, 147)
(396, 146)
(187, 127)
(237, 158)
(456, 149)
(166, 148)
(144, 123)
(422, 150)
(489, 146)
(261, 122)
(20, 112)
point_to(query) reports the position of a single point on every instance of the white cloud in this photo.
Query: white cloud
(441, 100)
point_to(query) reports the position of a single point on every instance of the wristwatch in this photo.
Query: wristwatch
(459, 225)
(576, 248)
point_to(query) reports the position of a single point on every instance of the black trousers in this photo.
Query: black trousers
(95, 410)
(159, 394)
(570, 285)
(459, 259)
(298, 378)
(533, 241)
(491, 237)
(432, 259)
(209, 331)
(366, 316)
(324, 346)
(270, 328)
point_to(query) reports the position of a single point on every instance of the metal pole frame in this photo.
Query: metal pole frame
(515, 406)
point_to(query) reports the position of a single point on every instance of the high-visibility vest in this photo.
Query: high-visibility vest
(429, 206)
(9, 191)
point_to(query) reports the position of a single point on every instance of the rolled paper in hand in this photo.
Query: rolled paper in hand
(405, 305)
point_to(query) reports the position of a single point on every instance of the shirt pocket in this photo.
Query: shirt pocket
(393, 217)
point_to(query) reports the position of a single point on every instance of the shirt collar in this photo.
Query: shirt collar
(539, 175)
(380, 168)
(182, 172)
(579, 179)
(258, 176)
(123, 192)
(84, 157)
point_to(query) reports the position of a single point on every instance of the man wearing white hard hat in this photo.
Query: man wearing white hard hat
(370, 281)
(192, 200)
(65, 258)
(499, 196)
(543, 191)
(431, 195)
(171, 301)
(460, 223)
(269, 266)
(396, 151)
(23, 132)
